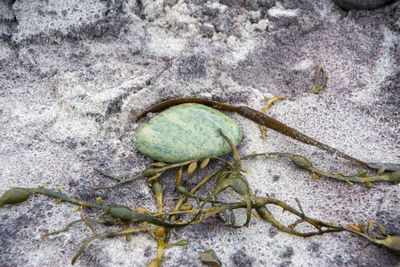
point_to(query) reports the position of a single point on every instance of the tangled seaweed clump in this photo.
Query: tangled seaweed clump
(223, 135)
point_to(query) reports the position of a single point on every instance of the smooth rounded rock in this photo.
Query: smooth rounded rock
(186, 132)
(362, 4)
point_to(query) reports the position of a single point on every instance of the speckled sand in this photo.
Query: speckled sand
(73, 73)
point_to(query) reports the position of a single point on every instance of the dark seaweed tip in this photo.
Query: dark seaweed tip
(394, 177)
(301, 162)
(14, 196)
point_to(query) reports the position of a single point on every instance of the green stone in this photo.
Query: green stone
(186, 132)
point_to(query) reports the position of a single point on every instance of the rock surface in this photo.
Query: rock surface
(73, 73)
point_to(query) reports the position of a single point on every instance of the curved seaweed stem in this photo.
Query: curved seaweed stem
(268, 104)
(117, 212)
(151, 173)
(106, 234)
(305, 164)
(257, 117)
(64, 229)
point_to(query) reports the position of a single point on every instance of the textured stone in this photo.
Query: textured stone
(186, 132)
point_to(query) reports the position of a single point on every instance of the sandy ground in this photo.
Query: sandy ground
(73, 73)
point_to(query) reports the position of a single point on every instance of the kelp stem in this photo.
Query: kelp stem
(257, 117)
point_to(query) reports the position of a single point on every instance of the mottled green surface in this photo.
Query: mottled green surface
(185, 132)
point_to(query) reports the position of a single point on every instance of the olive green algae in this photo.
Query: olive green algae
(186, 132)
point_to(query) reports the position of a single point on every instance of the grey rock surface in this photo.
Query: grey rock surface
(73, 74)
